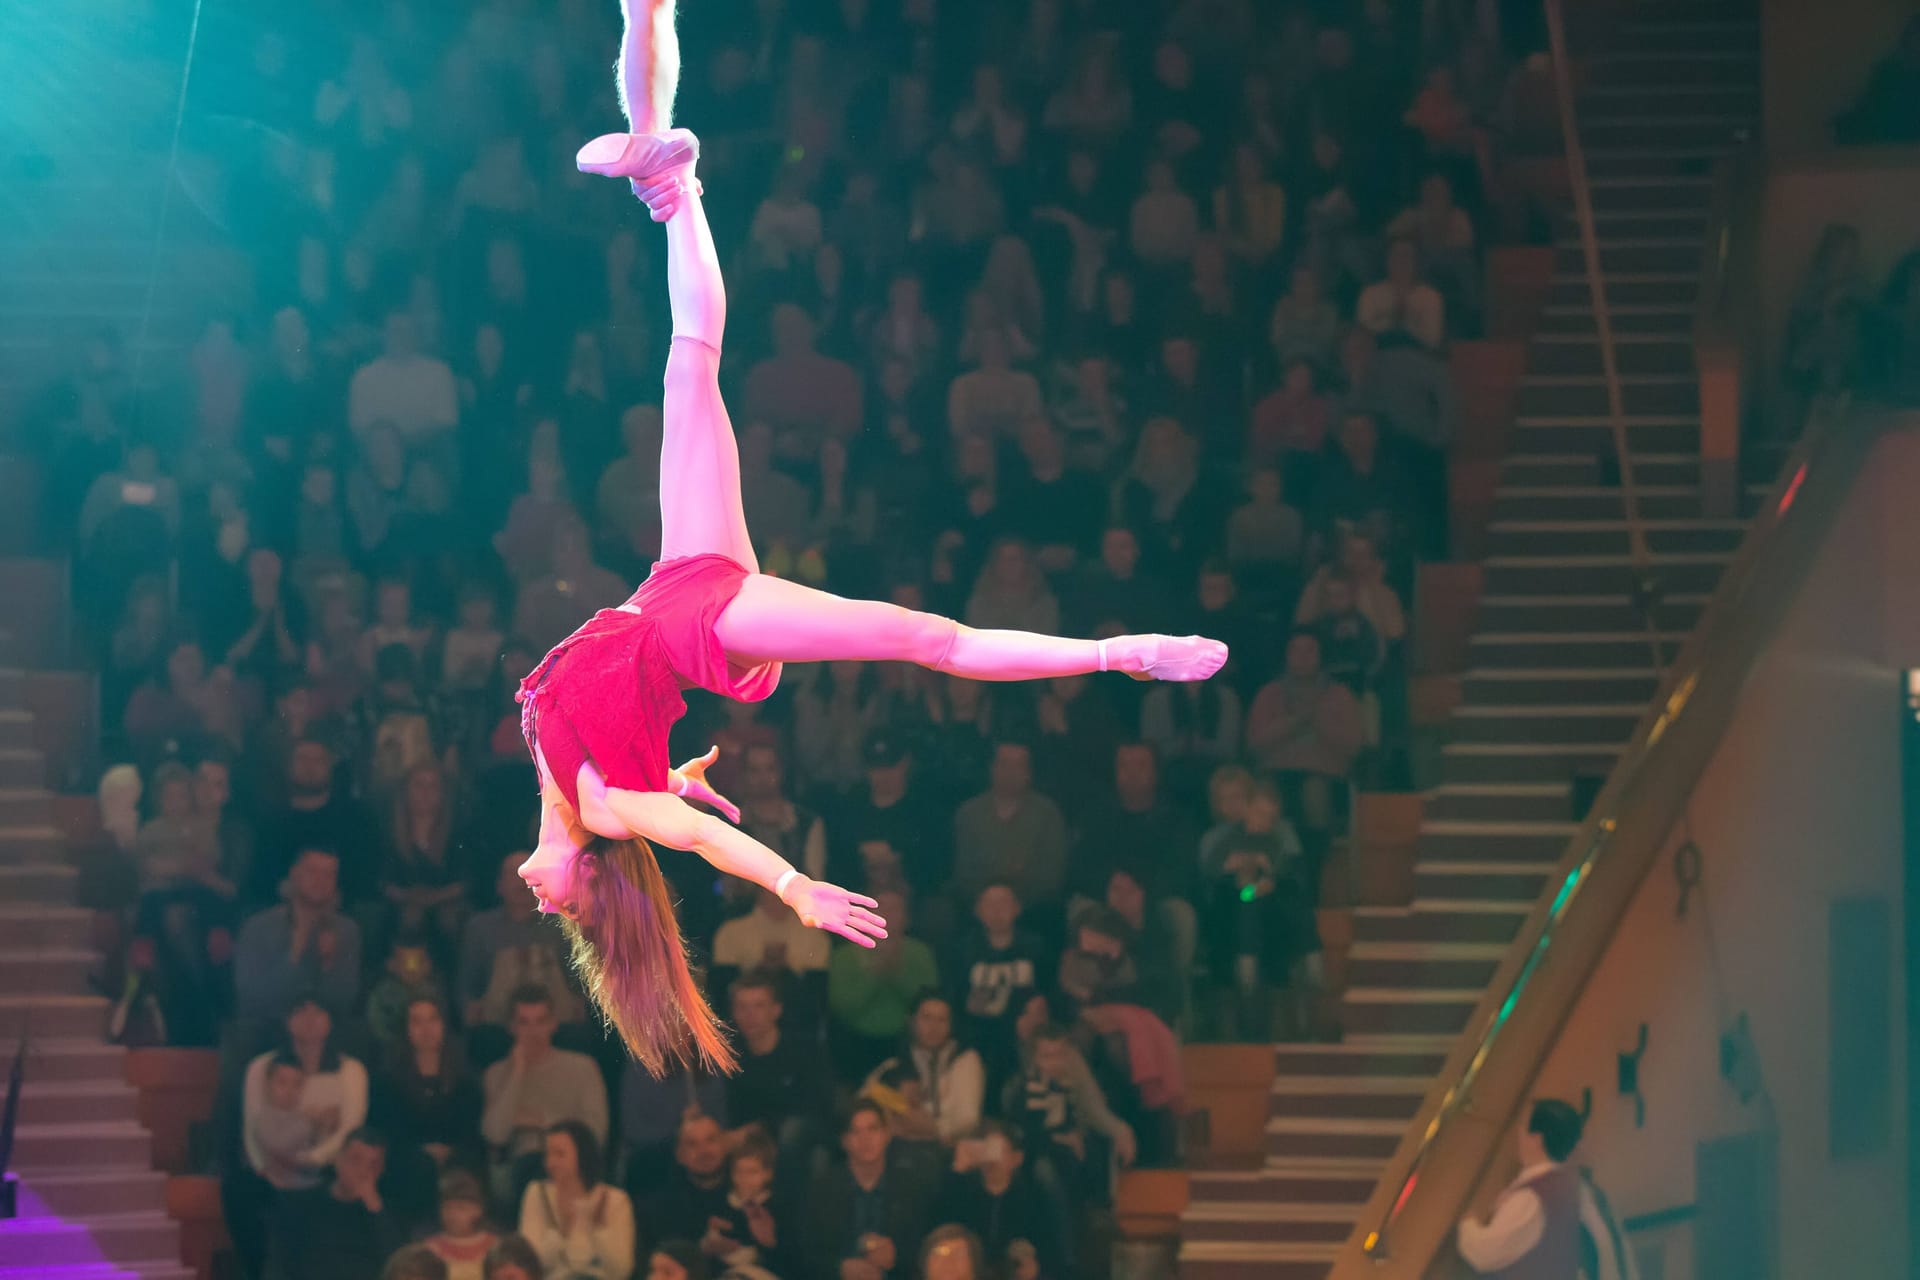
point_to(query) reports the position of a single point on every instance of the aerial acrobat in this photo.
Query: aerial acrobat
(596, 710)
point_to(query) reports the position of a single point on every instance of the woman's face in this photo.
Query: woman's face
(309, 1024)
(555, 871)
(426, 1029)
(562, 1161)
(932, 1024)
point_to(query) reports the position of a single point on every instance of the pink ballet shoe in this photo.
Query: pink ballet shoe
(658, 166)
(1163, 657)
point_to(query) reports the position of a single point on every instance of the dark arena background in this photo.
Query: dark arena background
(1524, 392)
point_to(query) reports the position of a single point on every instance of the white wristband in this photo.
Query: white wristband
(780, 886)
(1101, 646)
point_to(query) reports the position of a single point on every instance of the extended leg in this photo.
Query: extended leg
(773, 620)
(700, 509)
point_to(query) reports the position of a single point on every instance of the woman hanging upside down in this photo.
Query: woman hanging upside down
(597, 709)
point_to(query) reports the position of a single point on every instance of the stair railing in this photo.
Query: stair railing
(1464, 1124)
(1597, 290)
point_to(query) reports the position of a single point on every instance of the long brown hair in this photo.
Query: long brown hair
(633, 965)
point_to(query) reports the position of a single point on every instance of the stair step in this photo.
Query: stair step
(1595, 502)
(1243, 1260)
(1661, 396)
(78, 1102)
(44, 926)
(52, 1015)
(60, 971)
(44, 882)
(146, 1270)
(29, 844)
(1518, 725)
(1446, 964)
(1654, 255)
(70, 1148)
(1527, 762)
(1333, 1136)
(73, 1195)
(1420, 1056)
(1481, 880)
(1499, 802)
(1640, 289)
(21, 769)
(1275, 1221)
(1613, 537)
(1591, 467)
(1362, 1097)
(50, 1243)
(1291, 1181)
(1517, 840)
(1635, 354)
(25, 807)
(1512, 575)
(1705, 132)
(1539, 686)
(1405, 1009)
(1389, 924)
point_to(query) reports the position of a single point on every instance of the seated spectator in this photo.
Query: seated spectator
(1058, 1105)
(1117, 592)
(1165, 222)
(332, 1099)
(1260, 924)
(508, 948)
(651, 1108)
(1191, 728)
(393, 623)
(866, 1217)
(422, 887)
(951, 1077)
(696, 1190)
(534, 1088)
(427, 1100)
(315, 814)
(1024, 1227)
(998, 968)
(1888, 111)
(1360, 567)
(463, 1241)
(1012, 594)
(280, 1131)
(167, 712)
(408, 975)
(627, 497)
(1305, 324)
(405, 389)
(1289, 426)
(1402, 303)
(904, 331)
(994, 398)
(1250, 209)
(1229, 790)
(1265, 534)
(415, 1262)
(803, 394)
(1078, 720)
(1139, 829)
(792, 830)
(551, 606)
(302, 946)
(781, 1085)
(676, 1260)
(514, 1259)
(1306, 727)
(178, 846)
(786, 227)
(1443, 233)
(1161, 940)
(1361, 489)
(871, 991)
(1162, 497)
(1351, 651)
(832, 716)
(746, 1239)
(1011, 834)
(348, 1214)
(770, 938)
(894, 807)
(525, 543)
(580, 1224)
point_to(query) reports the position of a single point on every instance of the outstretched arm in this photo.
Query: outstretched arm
(669, 820)
(649, 68)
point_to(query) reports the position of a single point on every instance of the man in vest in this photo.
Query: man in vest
(1548, 1224)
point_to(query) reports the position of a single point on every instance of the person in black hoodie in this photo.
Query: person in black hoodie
(998, 967)
(358, 1228)
(1024, 1225)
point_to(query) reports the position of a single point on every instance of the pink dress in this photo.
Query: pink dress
(611, 691)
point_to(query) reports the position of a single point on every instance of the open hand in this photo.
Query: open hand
(827, 906)
(694, 785)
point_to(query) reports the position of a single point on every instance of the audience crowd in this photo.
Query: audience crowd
(1046, 313)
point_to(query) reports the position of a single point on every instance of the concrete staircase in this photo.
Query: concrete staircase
(1562, 665)
(92, 1205)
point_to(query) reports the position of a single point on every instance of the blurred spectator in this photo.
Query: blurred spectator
(1012, 593)
(1058, 1105)
(998, 968)
(696, 1191)
(552, 605)
(1024, 1227)
(871, 991)
(1011, 834)
(868, 1215)
(402, 388)
(747, 1237)
(953, 1253)
(348, 1214)
(421, 885)
(782, 1086)
(1402, 303)
(798, 391)
(951, 1078)
(316, 814)
(535, 1087)
(514, 1259)
(580, 1224)
(428, 1101)
(303, 945)
(1306, 727)
(510, 947)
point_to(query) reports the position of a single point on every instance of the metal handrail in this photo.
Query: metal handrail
(1596, 282)
(1824, 450)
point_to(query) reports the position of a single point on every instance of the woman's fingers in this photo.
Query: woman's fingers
(713, 753)
(851, 936)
